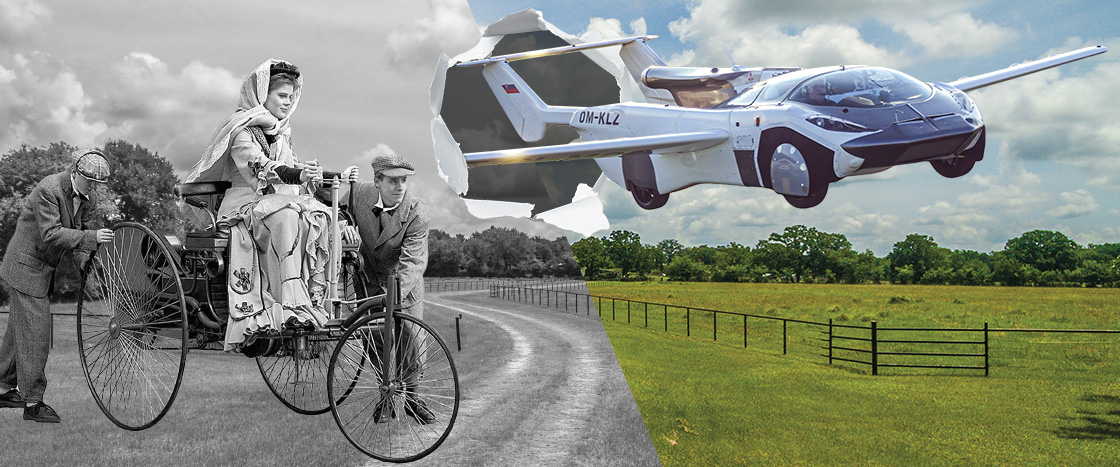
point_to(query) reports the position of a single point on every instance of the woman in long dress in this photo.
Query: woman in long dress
(278, 243)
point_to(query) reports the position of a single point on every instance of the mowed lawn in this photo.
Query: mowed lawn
(224, 414)
(1051, 399)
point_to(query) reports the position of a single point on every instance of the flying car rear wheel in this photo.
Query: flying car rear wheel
(804, 202)
(132, 327)
(954, 167)
(648, 198)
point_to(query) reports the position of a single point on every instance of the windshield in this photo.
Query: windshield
(861, 87)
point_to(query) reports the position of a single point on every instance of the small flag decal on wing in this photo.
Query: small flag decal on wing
(510, 89)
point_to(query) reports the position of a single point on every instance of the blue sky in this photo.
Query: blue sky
(1053, 153)
(164, 74)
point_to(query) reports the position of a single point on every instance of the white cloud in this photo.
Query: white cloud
(19, 18)
(172, 113)
(42, 101)
(449, 29)
(771, 45)
(610, 28)
(954, 35)
(1077, 203)
(1052, 116)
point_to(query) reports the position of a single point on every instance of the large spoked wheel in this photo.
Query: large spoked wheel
(297, 372)
(132, 327)
(400, 410)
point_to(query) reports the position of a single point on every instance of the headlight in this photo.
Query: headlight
(836, 124)
(963, 101)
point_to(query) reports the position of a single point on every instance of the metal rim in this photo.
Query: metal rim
(398, 437)
(132, 340)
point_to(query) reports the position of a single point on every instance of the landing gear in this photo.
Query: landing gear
(812, 199)
(648, 198)
(954, 167)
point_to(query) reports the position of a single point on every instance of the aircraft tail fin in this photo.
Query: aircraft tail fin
(526, 111)
(638, 57)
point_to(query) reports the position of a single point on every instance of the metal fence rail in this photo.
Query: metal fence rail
(871, 345)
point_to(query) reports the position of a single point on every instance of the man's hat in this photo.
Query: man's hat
(92, 165)
(391, 166)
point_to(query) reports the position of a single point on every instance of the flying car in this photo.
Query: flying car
(792, 130)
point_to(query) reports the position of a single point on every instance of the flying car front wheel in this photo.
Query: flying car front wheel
(812, 199)
(953, 167)
(648, 198)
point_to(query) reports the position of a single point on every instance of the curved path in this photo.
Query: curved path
(539, 387)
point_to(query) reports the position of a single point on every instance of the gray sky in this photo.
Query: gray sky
(165, 74)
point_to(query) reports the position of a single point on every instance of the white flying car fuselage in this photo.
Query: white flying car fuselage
(791, 130)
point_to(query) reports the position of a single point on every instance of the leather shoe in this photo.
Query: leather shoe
(12, 399)
(41, 413)
(416, 409)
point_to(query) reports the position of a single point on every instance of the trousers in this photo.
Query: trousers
(26, 345)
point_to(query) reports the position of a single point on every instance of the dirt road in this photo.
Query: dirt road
(547, 389)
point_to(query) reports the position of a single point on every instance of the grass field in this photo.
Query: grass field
(224, 415)
(1052, 399)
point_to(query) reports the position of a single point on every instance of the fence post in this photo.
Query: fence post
(458, 344)
(744, 331)
(874, 348)
(830, 341)
(714, 315)
(985, 348)
(784, 340)
(600, 307)
(688, 322)
(627, 311)
(666, 308)
(647, 313)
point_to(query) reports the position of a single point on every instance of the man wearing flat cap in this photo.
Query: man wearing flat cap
(393, 226)
(51, 222)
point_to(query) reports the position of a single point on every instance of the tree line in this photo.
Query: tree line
(801, 254)
(142, 189)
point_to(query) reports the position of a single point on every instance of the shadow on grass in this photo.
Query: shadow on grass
(1099, 420)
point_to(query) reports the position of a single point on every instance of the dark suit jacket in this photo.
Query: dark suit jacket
(47, 228)
(398, 239)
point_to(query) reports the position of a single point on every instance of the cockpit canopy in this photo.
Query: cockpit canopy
(861, 87)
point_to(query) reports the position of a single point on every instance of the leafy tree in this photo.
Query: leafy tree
(919, 253)
(142, 187)
(801, 249)
(1045, 250)
(446, 254)
(591, 256)
(626, 251)
(685, 269)
(668, 249)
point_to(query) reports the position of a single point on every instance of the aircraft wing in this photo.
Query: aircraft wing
(675, 142)
(1015, 71)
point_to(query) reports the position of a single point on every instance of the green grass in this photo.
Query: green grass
(1051, 399)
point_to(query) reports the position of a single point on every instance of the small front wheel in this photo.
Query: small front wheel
(398, 410)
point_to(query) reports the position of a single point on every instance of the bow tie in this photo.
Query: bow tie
(377, 211)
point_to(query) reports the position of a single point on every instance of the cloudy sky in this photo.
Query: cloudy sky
(1053, 157)
(165, 74)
